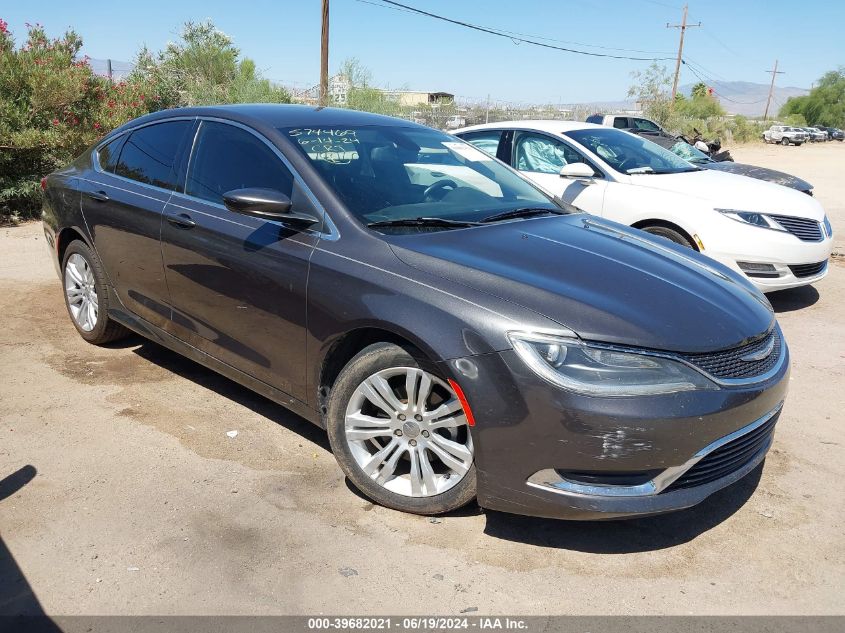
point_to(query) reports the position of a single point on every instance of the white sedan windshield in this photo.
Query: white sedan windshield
(628, 153)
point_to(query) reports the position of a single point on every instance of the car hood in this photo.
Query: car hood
(761, 173)
(723, 190)
(602, 280)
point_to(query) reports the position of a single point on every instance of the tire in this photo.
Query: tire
(353, 420)
(86, 296)
(669, 234)
(784, 141)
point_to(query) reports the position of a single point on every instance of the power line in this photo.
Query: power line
(531, 35)
(518, 39)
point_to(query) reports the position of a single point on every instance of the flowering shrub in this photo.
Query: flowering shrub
(52, 107)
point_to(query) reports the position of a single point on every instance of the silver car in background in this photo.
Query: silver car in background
(785, 135)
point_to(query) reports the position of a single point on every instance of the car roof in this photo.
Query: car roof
(551, 126)
(278, 115)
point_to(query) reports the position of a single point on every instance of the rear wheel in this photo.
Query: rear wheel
(86, 296)
(784, 141)
(669, 234)
(400, 434)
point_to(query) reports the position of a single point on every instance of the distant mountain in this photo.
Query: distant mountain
(748, 98)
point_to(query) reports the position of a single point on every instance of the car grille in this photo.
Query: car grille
(808, 270)
(728, 458)
(802, 228)
(728, 364)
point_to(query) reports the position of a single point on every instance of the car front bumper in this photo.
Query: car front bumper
(788, 258)
(530, 436)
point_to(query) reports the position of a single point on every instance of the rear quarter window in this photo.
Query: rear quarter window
(149, 154)
(108, 154)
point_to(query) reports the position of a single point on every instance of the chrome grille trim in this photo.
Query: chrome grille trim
(804, 229)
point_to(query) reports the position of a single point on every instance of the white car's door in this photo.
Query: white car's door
(540, 157)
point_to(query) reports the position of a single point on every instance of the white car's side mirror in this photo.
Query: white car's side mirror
(578, 171)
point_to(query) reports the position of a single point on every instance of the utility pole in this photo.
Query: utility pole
(487, 117)
(775, 72)
(324, 57)
(109, 71)
(683, 26)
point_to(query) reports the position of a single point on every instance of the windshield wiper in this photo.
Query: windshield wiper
(444, 222)
(640, 170)
(525, 212)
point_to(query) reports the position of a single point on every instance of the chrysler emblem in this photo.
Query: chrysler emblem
(760, 354)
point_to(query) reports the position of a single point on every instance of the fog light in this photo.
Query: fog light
(757, 270)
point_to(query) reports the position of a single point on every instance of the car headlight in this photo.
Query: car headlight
(598, 371)
(750, 217)
(828, 229)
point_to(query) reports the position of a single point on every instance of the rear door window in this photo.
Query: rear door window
(227, 157)
(150, 154)
(485, 140)
(621, 122)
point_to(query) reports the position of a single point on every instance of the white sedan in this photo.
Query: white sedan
(779, 237)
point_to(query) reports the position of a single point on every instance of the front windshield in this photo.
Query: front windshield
(689, 153)
(628, 153)
(389, 173)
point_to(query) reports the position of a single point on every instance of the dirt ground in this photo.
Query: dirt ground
(124, 495)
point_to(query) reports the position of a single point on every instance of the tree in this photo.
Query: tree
(355, 73)
(699, 90)
(651, 88)
(796, 120)
(702, 105)
(825, 105)
(204, 67)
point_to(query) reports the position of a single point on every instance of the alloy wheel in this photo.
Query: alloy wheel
(407, 431)
(81, 291)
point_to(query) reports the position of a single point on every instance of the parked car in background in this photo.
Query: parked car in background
(779, 237)
(469, 337)
(455, 121)
(818, 134)
(698, 158)
(785, 135)
(626, 122)
(834, 134)
(815, 135)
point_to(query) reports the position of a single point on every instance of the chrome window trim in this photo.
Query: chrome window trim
(330, 231)
(95, 162)
(549, 479)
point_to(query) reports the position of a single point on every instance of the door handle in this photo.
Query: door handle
(99, 196)
(182, 221)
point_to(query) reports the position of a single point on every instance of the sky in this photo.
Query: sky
(738, 40)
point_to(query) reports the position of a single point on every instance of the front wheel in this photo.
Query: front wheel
(784, 141)
(86, 295)
(669, 234)
(400, 434)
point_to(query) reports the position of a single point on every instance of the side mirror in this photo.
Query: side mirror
(578, 171)
(267, 204)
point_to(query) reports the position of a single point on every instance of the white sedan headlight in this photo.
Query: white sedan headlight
(598, 371)
(753, 218)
